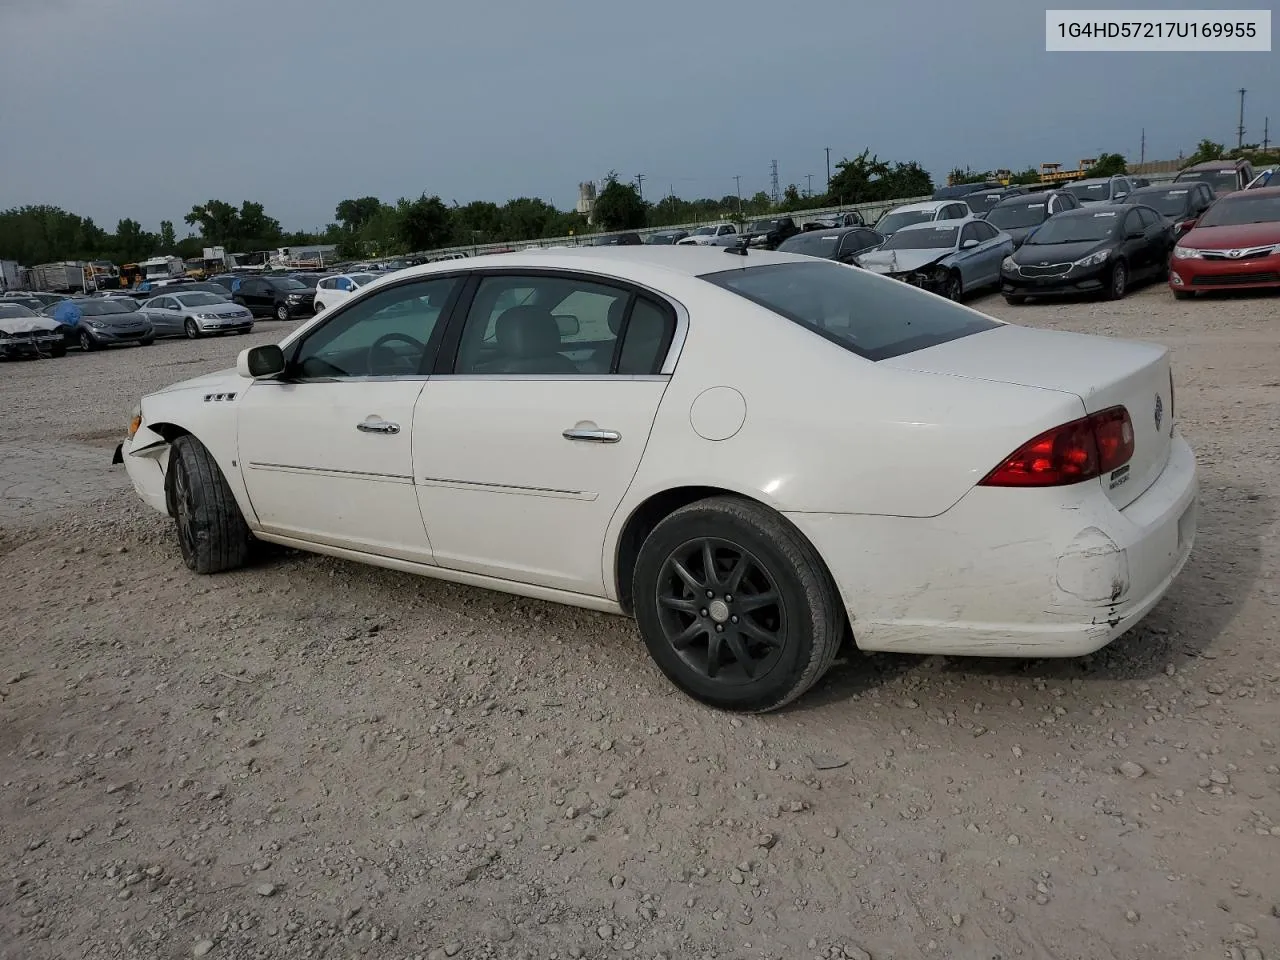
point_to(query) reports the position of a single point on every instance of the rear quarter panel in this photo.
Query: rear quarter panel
(826, 430)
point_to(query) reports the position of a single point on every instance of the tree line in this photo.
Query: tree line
(371, 227)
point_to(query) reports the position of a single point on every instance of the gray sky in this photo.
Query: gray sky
(300, 103)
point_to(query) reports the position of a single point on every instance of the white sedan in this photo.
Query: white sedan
(331, 291)
(756, 455)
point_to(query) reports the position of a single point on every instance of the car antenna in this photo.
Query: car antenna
(739, 248)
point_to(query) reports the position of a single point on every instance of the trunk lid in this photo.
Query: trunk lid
(1101, 371)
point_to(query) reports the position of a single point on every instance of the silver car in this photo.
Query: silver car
(196, 314)
(952, 258)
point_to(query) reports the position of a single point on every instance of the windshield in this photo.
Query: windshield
(764, 226)
(308, 282)
(868, 315)
(1074, 228)
(200, 300)
(661, 238)
(10, 311)
(704, 232)
(1249, 208)
(983, 201)
(286, 283)
(904, 218)
(1171, 203)
(1220, 180)
(1090, 192)
(813, 244)
(923, 238)
(102, 308)
(1018, 215)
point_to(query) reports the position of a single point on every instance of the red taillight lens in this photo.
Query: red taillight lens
(1076, 451)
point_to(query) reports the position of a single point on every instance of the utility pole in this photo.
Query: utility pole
(1240, 128)
(640, 184)
(1142, 153)
(773, 184)
(1266, 125)
(828, 149)
(809, 177)
(738, 182)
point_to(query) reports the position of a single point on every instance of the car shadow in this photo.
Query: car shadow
(1219, 575)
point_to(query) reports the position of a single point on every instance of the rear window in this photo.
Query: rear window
(868, 315)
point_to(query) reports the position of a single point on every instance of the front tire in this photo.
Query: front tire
(736, 606)
(282, 312)
(87, 343)
(146, 341)
(212, 534)
(954, 290)
(59, 351)
(1014, 299)
(1118, 281)
(319, 307)
(191, 329)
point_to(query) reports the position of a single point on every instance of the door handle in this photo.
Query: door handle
(378, 426)
(593, 436)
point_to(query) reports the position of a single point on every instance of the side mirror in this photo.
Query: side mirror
(969, 244)
(257, 363)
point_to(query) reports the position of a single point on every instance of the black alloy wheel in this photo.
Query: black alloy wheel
(721, 611)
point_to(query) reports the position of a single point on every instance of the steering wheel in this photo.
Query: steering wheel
(371, 362)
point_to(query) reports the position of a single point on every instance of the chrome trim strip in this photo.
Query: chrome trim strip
(508, 488)
(326, 472)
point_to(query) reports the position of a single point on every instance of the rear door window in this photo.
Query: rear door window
(868, 315)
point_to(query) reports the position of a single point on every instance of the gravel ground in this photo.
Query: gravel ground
(314, 758)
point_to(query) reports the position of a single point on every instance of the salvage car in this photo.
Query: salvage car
(712, 234)
(842, 245)
(692, 451)
(195, 315)
(1099, 249)
(925, 212)
(953, 258)
(281, 297)
(767, 234)
(331, 291)
(1101, 189)
(25, 334)
(1235, 245)
(1224, 176)
(103, 323)
(1020, 214)
(1183, 203)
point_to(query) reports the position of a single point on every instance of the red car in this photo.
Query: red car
(1235, 244)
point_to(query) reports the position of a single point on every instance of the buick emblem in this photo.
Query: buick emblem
(1159, 411)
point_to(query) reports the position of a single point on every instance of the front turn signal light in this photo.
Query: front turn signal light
(134, 424)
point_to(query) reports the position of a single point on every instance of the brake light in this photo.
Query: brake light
(1080, 450)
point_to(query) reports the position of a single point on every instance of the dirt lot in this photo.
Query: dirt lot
(320, 759)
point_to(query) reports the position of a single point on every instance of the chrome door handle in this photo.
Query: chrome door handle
(593, 436)
(378, 426)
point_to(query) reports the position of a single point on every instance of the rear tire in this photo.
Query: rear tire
(754, 652)
(148, 341)
(59, 351)
(212, 534)
(1014, 299)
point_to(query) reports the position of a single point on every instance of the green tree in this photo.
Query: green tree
(619, 206)
(1108, 165)
(168, 241)
(1205, 150)
(218, 221)
(354, 214)
(425, 223)
(1027, 176)
(525, 218)
(967, 175)
(132, 243)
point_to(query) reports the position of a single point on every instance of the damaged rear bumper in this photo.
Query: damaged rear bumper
(1031, 575)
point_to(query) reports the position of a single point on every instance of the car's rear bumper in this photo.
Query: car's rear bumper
(1012, 573)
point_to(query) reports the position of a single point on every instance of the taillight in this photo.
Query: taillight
(1080, 450)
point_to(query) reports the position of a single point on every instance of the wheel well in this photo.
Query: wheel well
(171, 432)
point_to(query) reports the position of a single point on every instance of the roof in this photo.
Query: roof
(1241, 196)
(1090, 209)
(1212, 165)
(926, 205)
(622, 261)
(1089, 181)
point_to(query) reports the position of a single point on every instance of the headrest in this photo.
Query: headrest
(527, 331)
